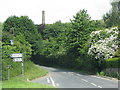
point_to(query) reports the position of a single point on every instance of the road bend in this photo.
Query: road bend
(69, 79)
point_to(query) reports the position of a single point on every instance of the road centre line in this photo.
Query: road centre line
(93, 84)
(96, 85)
(84, 80)
(53, 83)
(78, 74)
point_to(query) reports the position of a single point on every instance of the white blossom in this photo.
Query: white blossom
(106, 46)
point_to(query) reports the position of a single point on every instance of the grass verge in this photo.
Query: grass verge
(15, 83)
(31, 73)
(115, 75)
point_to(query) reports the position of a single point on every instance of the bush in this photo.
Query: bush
(110, 74)
(113, 63)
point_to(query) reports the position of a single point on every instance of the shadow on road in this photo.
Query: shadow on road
(56, 69)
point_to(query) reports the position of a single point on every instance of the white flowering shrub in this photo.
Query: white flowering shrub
(103, 43)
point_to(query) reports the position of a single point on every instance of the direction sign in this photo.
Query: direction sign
(17, 59)
(14, 55)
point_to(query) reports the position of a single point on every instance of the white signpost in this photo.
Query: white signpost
(15, 55)
(18, 57)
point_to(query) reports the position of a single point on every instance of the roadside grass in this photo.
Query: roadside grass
(35, 72)
(115, 75)
(32, 73)
(15, 83)
(0, 85)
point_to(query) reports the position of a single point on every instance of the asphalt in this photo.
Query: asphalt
(69, 79)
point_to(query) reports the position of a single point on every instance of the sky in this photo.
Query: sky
(55, 10)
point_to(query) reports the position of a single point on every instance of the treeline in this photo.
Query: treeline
(25, 36)
(67, 44)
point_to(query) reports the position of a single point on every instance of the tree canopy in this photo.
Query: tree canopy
(112, 18)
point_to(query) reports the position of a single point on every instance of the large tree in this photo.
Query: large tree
(112, 17)
(16, 25)
(82, 25)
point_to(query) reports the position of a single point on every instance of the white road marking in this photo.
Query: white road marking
(70, 73)
(57, 84)
(48, 80)
(84, 80)
(101, 78)
(93, 84)
(99, 86)
(78, 74)
(53, 83)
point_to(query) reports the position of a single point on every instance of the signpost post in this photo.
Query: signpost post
(22, 70)
(9, 66)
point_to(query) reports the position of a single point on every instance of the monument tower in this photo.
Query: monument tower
(43, 17)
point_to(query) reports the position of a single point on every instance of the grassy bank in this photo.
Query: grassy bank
(115, 75)
(34, 72)
(18, 83)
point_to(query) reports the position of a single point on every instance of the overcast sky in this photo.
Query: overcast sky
(55, 10)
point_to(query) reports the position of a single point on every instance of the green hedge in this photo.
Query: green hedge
(113, 62)
(109, 74)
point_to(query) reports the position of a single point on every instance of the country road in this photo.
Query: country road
(69, 79)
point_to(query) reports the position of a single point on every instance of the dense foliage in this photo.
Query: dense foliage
(68, 42)
(113, 63)
(0, 42)
(82, 44)
(24, 33)
(112, 18)
(104, 43)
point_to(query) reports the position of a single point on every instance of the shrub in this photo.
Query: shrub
(103, 43)
(113, 62)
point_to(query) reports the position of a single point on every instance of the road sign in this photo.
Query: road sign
(12, 42)
(17, 59)
(14, 55)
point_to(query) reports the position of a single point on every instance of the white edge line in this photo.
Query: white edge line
(101, 78)
(53, 83)
(48, 80)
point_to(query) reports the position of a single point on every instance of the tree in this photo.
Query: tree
(1, 26)
(112, 18)
(16, 25)
(82, 27)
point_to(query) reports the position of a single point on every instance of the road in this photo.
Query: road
(69, 79)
